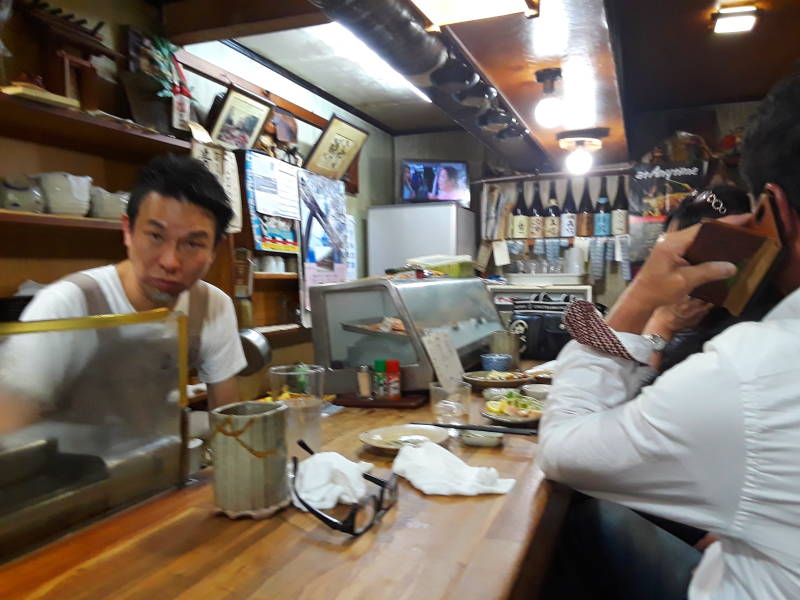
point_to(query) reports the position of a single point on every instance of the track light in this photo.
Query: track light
(495, 120)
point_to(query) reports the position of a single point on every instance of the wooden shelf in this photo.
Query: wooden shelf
(275, 276)
(75, 130)
(27, 218)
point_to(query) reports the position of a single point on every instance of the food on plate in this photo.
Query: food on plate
(514, 404)
(389, 324)
(504, 375)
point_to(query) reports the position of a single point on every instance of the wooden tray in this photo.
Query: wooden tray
(410, 400)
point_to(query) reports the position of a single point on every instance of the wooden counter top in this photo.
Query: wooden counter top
(488, 547)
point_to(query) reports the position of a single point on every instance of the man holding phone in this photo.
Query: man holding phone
(714, 442)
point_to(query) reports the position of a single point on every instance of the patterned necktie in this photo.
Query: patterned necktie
(586, 325)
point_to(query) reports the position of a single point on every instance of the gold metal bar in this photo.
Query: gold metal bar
(93, 322)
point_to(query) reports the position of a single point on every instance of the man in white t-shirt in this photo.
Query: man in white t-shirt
(176, 217)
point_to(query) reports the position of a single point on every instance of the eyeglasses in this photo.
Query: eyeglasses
(365, 513)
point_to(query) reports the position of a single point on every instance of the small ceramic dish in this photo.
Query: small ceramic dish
(536, 390)
(486, 439)
(394, 437)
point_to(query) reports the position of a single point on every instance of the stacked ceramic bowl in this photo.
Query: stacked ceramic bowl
(107, 205)
(20, 193)
(66, 194)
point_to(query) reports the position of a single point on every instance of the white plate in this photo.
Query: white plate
(395, 437)
(506, 420)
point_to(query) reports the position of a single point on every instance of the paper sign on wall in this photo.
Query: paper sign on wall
(501, 256)
(444, 358)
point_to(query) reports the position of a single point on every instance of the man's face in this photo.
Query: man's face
(170, 246)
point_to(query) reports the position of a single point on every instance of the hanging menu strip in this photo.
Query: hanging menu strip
(444, 358)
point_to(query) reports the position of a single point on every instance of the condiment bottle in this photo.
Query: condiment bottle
(364, 382)
(379, 380)
(392, 381)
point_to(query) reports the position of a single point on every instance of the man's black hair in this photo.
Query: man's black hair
(187, 180)
(771, 148)
(693, 210)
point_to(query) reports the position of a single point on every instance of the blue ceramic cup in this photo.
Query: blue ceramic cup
(496, 362)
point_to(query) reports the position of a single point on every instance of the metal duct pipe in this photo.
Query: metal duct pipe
(392, 29)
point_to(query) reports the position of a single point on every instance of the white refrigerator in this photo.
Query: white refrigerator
(397, 232)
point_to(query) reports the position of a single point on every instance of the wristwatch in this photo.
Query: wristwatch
(658, 342)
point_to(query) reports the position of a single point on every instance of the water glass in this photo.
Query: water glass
(451, 406)
(300, 387)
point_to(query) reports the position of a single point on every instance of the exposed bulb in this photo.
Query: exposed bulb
(579, 161)
(549, 112)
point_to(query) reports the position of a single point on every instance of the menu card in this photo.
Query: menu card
(444, 358)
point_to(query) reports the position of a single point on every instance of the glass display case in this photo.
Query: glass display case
(358, 322)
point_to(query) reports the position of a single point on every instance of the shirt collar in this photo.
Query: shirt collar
(788, 308)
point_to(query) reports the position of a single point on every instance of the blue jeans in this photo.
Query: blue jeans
(608, 551)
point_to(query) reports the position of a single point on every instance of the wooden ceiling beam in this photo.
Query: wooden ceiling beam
(193, 21)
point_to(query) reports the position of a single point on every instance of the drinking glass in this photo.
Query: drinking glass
(451, 406)
(300, 387)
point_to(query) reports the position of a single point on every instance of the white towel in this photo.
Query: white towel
(327, 478)
(435, 470)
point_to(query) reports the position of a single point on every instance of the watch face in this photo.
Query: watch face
(659, 343)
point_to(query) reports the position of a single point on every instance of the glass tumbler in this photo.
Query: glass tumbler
(300, 387)
(451, 406)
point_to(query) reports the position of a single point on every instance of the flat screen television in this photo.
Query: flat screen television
(430, 180)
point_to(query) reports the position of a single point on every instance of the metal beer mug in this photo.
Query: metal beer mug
(248, 442)
(505, 342)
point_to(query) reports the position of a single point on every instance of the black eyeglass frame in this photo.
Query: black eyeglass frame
(348, 524)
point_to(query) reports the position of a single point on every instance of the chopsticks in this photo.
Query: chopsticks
(492, 428)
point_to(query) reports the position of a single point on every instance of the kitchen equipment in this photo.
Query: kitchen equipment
(107, 205)
(358, 322)
(21, 193)
(256, 350)
(248, 445)
(505, 342)
(397, 232)
(66, 194)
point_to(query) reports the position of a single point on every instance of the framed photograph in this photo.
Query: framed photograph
(239, 120)
(336, 149)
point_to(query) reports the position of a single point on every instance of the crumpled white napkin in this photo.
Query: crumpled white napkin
(327, 478)
(435, 470)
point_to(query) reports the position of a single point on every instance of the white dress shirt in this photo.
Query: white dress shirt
(713, 443)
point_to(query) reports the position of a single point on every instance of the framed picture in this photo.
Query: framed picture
(336, 149)
(239, 120)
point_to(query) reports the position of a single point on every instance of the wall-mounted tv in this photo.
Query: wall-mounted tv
(429, 180)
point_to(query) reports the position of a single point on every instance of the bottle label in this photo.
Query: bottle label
(602, 224)
(520, 223)
(585, 226)
(552, 227)
(568, 221)
(619, 222)
(536, 227)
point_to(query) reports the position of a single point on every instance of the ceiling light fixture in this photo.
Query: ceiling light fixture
(345, 45)
(512, 132)
(580, 144)
(454, 76)
(479, 96)
(735, 19)
(495, 120)
(549, 111)
(445, 12)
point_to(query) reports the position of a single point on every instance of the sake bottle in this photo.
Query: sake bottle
(585, 225)
(619, 211)
(568, 214)
(602, 212)
(536, 214)
(552, 217)
(519, 216)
